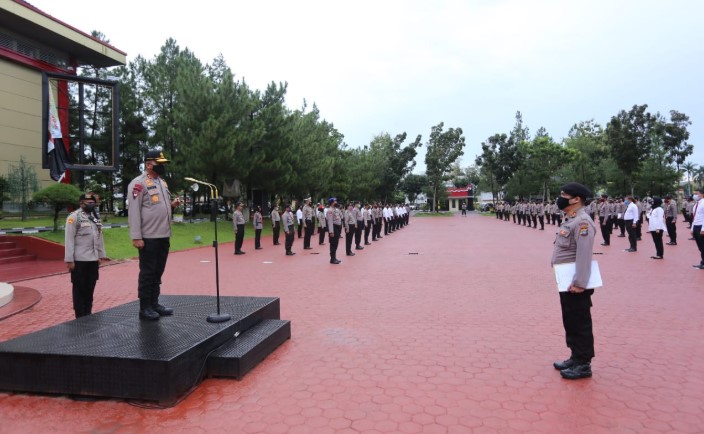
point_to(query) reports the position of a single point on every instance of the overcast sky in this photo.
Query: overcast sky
(394, 66)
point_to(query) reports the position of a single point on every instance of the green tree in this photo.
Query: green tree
(629, 136)
(3, 191)
(58, 196)
(443, 149)
(689, 168)
(412, 185)
(675, 138)
(586, 142)
(22, 183)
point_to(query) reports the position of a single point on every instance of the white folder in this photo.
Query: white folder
(564, 275)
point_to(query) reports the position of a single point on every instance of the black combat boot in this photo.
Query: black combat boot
(146, 311)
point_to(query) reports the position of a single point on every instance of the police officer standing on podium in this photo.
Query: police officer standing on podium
(84, 249)
(574, 243)
(149, 220)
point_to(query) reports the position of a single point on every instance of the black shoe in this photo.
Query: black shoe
(656, 257)
(359, 248)
(307, 248)
(701, 267)
(290, 253)
(258, 248)
(163, 310)
(621, 236)
(335, 261)
(350, 254)
(149, 314)
(239, 252)
(577, 371)
(630, 250)
(671, 243)
(605, 244)
(690, 239)
(277, 244)
(367, 244)
(565, 364)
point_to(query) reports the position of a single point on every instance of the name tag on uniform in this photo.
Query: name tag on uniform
(85, 224)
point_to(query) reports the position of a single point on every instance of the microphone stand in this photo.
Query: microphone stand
(215, 317)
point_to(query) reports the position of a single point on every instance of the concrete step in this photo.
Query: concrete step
(7, 245)
(6, 253)
(20, 258)
(241, 354)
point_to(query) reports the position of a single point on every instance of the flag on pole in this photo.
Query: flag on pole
(58, 159)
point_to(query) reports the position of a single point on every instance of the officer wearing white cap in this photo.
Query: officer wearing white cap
(149, 218)
(574, 243)
(84, 249)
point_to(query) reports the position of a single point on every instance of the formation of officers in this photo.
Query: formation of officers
(624, 216)
(355, 223)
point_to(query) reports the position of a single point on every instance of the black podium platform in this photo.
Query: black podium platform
(115, 354)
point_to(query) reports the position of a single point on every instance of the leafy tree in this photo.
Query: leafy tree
(3, 191)
(689, 168)
(396, 160)
(58, 196)
(443, 149)
(22, 183)
(675, 138)
(628, 134)
(586, 142)
(412, 185)
(545, 158)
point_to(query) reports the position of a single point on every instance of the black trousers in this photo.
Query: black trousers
(152, 261)
(657, 240)
(239, 237)
(300, 229)
(367, 229)
(358, 233)
(83, 277)
(275, 230)
(606, 228)
(334, 240)
(535, 220)
(386, 226)
(257, 238)
(671, 229)
(541, 219)
(631, 235)
(348, 238)
(697, 233)
(577, 321)
(321, 235)
(289, 239)
(308, 233)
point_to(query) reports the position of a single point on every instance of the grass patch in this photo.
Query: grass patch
(119, 245)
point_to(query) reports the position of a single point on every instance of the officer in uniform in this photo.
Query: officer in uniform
(322, 224)
(238, 222)
(84, 249)
(308, 224)
(275, 224)
(258, 223)
(149, 220)
(350, 220)
(574, 242)
(287, 223)
(671, 219)
(334, 225)
(359, 226)
(367, 214)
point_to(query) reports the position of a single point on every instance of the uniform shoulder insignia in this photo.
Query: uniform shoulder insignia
(70, 220)
(136, 190)
(584, 229)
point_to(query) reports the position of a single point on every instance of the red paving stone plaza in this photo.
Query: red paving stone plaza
(458, 338)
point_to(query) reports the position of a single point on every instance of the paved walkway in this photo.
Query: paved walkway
(458, 338)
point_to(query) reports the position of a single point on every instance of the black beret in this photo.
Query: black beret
(87, 196)
(577, 189)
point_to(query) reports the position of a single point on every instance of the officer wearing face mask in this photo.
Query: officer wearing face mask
(574, 244)
(149, 218)
(84, 249)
